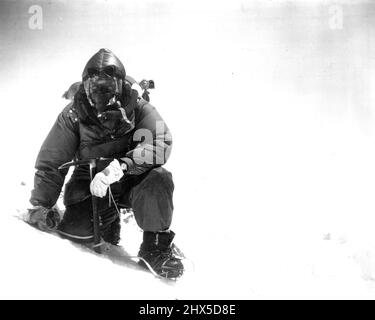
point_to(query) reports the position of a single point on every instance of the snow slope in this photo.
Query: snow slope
(271, 111)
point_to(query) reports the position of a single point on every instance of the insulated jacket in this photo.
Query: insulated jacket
(142, 140)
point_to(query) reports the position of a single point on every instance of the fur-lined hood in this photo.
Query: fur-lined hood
(102, 59)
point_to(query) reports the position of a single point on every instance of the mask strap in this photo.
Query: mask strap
(123, 113)
(87, 85)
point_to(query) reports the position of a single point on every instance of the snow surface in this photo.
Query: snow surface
(272, 117)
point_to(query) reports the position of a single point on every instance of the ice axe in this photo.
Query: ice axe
(92, 163)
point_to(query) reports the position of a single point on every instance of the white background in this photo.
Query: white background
(270, 105)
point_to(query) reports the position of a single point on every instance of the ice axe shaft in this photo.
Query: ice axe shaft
(95, 214)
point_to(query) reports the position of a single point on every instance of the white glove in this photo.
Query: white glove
(103, 179)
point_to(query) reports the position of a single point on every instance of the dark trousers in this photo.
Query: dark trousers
(149, 195)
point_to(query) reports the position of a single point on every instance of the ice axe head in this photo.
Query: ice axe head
(77, 163)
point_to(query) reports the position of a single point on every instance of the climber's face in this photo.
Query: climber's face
(103, 78)
(103, 87)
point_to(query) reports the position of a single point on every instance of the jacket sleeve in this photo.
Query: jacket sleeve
(59, 147)
(153, 142)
